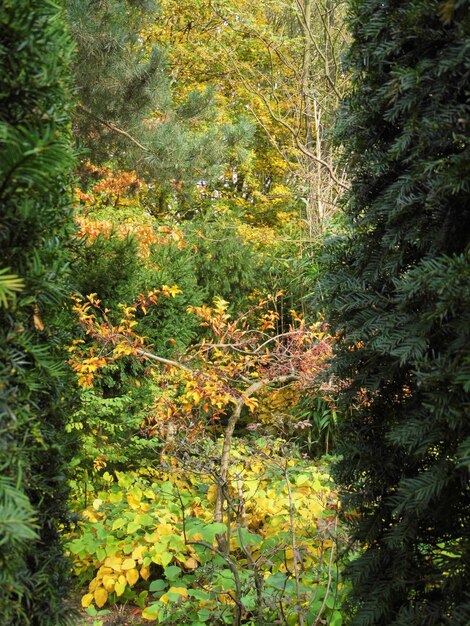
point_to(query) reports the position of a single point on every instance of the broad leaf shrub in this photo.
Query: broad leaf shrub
(149, 538)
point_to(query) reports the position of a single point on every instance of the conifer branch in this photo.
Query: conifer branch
(112, 127)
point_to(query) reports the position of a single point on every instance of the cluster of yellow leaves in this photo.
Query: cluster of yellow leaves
(187, 403)
(141, 524)
(149, 534)
(113, 576)
(235, 354)
(115, 184)
(261, 237)
(262, 477)
(144, 234)
(276, 403)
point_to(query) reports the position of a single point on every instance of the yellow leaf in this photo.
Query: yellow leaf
(120, 586)
(138, 553)
(114, 562)
(212, 493)
(171, 291)
(181, 590)
(132, 576)
(38, 323)
(151, 617)
(115, 496)
(101, 596)
(145, 572)
(133, 501)
(93, 584)
(87, 600)
(165, 529)
(109, 582)
(128, 564)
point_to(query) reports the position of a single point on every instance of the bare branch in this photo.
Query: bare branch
(154, 357)
(291, 130)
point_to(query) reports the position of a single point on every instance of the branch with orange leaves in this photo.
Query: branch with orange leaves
(239, 357)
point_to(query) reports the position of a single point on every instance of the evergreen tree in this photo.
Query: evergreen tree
(128, 114)
(35, 216)
(398, 295)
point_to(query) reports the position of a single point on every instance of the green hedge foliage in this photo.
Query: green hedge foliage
(398, 293)
(35, 216)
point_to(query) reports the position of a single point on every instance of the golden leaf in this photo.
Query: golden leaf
(138, 553)
(132, 576)
(146, 614)
(109, 582)
(87, 600)
(38, 323)
(120, 586)
(181, 590)
(101, 596)
(114, 562)
(128, 564)
(190, 563)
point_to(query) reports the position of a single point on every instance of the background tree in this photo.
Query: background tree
(275, 63)
(398, 295)
(34, 175)
(128, 113)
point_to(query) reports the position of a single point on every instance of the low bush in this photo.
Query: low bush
(149, 538)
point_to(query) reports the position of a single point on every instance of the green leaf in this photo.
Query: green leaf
(331, 601)
(132, 527)
(119, 523)
(199, 594)
(172, 572)
(9, 284)
(226, 580)
(277, 581)
(141, 598)
(336, 619)
(204, 615)
(158, 585)
(211, 530)
(246, 538)
(314, 612)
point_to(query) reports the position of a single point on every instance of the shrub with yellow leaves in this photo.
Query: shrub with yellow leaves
(152, 540)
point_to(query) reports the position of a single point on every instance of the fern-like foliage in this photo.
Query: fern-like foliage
(398, 295)
(9, 285)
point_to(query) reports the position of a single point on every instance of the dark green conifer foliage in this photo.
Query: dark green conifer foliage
(398, 295)
(35, 161)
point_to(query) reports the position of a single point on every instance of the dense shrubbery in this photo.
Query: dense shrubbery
(195, 244)
(149, 537)
(35, 227)
(398, 295)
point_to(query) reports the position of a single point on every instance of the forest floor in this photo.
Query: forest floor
(122, 615)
